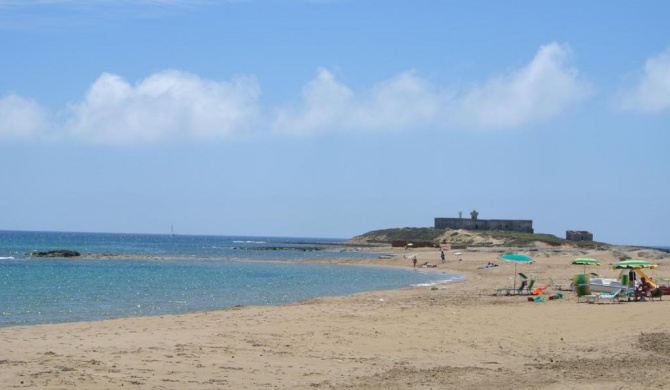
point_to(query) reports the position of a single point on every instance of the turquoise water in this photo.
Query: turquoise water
(200, 273)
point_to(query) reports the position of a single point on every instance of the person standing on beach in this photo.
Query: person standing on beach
(631, 278)
(414, 261)
(442, 255)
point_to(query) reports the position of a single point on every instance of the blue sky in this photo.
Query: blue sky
(333, 118)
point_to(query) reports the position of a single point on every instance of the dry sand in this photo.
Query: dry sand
(458, 336)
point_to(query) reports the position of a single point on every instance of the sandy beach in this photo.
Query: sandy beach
(455, 336)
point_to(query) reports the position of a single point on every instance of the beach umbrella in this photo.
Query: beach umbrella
(585, 261)
(516, 258)
(634, 264)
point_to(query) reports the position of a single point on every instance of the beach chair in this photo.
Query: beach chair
(627, 292)
(582, 287)
(555, 285)
(613, 297)
(583, 291)
(505, 291)
(527, 288)
(656, 293)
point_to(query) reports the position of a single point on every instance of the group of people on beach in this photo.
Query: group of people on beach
(442, 257)
(424, 265)
(489, 265)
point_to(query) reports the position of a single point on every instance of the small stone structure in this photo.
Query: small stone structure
(578, 235)
(516, 225)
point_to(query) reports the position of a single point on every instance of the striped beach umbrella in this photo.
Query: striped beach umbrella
(637, 265)
(585, 261)
(516, 258)
(634, 264)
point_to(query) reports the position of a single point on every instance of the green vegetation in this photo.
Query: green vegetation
(407, 234)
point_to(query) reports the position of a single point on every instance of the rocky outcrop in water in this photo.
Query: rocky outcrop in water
(55, 253)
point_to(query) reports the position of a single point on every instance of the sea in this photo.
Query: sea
(126, 275)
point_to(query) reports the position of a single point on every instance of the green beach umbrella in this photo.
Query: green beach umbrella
(516, 258)
(634, 264)
(585, 261)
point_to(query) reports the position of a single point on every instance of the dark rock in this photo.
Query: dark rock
(55, 253)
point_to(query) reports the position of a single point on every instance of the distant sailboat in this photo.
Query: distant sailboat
(172, 231)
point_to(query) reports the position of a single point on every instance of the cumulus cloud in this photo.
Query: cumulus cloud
(327, 104)
(166, 105)
(400, 102)
(651, 94)
(544, 88)
(174, 105)
(21, 118)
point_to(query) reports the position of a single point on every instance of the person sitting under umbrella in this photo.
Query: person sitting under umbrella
(643, 290)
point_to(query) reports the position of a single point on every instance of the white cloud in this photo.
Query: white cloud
(325, 102)
(652, 92)
(544, 88)
(175, 105)
(166, 105)
(403, 101)
(21, 118)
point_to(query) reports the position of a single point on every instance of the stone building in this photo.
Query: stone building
(474, 223)
(578, 235)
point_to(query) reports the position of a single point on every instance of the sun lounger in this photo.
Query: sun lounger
(583, 291)
(528, 288)
(505, 291)
(613, 297)
(525, 287)
(590, 298)
(557, 286)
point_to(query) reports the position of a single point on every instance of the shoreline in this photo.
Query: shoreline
(440, 278)
(413, 337)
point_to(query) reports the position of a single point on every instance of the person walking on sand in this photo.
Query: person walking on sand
(442, 255)
(414, 261)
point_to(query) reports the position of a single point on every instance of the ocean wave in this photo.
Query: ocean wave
(250, 242)
(450, 279)
(7, 258)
